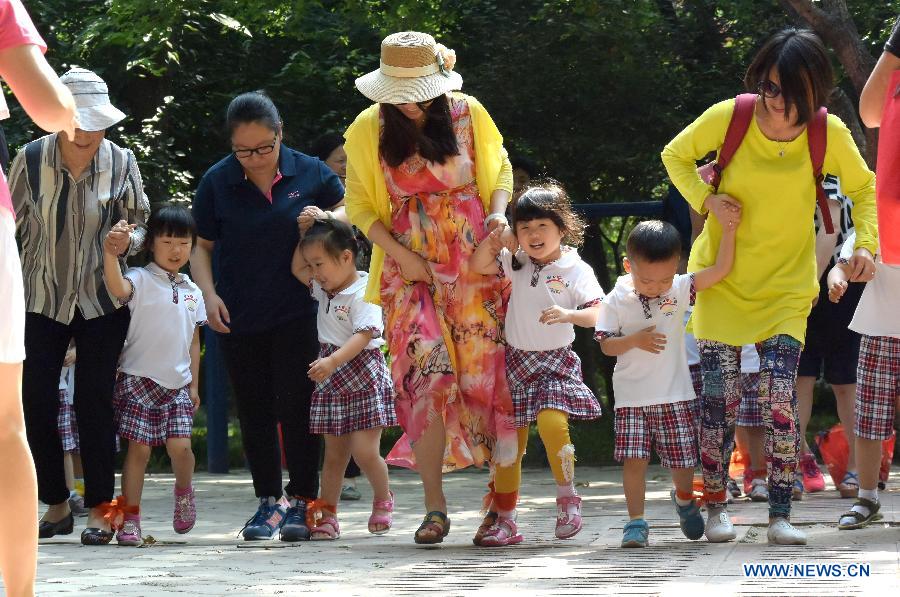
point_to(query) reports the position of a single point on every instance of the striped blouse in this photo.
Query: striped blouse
(62, 222)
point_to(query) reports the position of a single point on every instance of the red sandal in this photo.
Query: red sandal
(319, 522)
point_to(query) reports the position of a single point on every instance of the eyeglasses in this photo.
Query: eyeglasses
(261, 150)
(768, 89)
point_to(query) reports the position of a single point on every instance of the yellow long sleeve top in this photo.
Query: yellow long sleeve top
(366, 196)
(773, 282)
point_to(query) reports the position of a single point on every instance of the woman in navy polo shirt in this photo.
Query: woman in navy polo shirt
(246, 209)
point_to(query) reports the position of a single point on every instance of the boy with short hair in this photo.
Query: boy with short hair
(641, 323)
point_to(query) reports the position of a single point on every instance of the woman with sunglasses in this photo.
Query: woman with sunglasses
(246, 208)
(766, 298)
(427, 179)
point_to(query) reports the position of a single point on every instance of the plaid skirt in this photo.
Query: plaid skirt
(359, 395)
(149, 414)
(540, 379)
(68, 427)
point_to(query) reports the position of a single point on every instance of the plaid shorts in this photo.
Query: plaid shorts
(540, 379)
(671, 427)
(359, 395)
(749, 413)
(149, 414)
(877, 386)
(67, 425)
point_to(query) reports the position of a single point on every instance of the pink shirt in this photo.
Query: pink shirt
(16, 29)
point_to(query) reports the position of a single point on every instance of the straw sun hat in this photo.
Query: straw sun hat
(95, 111)
(414, 68)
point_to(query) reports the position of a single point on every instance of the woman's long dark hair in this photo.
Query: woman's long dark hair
(400, 138)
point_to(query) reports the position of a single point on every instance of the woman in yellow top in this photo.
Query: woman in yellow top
(767, 296)
(427, 179)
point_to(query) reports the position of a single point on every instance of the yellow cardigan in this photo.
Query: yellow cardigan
(366, 196)
(773, 282)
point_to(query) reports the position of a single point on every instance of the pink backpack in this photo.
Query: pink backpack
(744, 105)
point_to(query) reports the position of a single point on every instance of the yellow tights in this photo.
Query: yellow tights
(553, 427)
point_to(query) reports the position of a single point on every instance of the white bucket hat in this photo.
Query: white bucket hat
(95, 112)
(414, 68)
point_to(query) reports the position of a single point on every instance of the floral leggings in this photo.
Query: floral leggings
(721, 367)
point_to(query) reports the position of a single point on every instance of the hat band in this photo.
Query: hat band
(409, 72)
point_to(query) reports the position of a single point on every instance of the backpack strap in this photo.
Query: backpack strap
(744, 105)
(817, 137)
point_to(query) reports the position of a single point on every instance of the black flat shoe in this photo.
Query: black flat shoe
(47, 529)
(95, 536)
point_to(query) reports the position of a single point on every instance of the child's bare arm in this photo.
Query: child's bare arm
(484, 259)
(321, 369)
(647, 339)
(195, 368)
(724, 260)
(117, 284)
(586, 318)
(300, 268)
(838, 278)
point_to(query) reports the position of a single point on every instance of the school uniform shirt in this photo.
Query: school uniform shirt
(642, 378)
(255, 236)
(165, 309)
(343, 314)
(568, 282)
(878, 311)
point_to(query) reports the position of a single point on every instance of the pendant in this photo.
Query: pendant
(781, 153)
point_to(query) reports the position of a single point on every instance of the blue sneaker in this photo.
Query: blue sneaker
(690, 519)
(268, 519)
(294, 527)
(635, 533)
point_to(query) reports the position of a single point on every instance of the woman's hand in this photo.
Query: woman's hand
(414, 268)
(118, 238)
(494, 220)
(862, 266)
(308, 216)
(321, 369)
(726, 208)
(509, 240)
(217, 314)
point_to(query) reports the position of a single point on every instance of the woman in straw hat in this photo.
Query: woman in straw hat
(68, 192)
(427, 179)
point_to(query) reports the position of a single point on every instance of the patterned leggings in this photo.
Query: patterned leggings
(721, 366)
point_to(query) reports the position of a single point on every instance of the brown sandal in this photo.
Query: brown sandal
(438, 523)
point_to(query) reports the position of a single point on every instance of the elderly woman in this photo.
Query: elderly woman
(766, 298)
(68, 193)
(427, 179)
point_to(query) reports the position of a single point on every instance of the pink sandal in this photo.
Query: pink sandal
(385, 519)
(328, 525)
(568, 525)
(502, 533)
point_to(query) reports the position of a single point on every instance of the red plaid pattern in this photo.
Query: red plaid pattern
(670, 427)
(68, 427)
(359, 395)
(877, 386)
(749, 413)
(147, 413)
(540, 379)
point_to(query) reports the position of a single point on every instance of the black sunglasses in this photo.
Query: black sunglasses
(768, 89)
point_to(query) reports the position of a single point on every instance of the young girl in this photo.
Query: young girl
(354, 397)
(552, 289)
(156, 390)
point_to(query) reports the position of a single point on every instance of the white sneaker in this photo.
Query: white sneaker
(718, 526)
(759, 491)
(781, 532)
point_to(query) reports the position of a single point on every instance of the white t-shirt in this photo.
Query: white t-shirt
(12, 295)
(346, 313)
(878, 311)
(749, 356)
(642, 378)
(158, 345)
(568, 282)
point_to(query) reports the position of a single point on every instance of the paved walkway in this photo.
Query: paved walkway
(211, 560)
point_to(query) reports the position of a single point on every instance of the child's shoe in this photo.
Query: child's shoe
(733, 490)
(568, 516)
(781, 532)
(759, 490)
(185, 511)
(326, 530)
(718, 525)
(690, 519)
(797, 490)
(502, 533)
(813, 479)
(848, 487)
(130, 533)
(76, 505)
(635, 533)
(386, 519)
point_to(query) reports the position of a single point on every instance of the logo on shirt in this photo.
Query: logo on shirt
(294, 195)
(556, 284)
(668, 306)
(190, 302)
(342, 312)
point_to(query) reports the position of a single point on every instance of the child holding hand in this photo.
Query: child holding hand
(641, 322)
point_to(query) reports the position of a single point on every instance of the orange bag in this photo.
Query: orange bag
(835, 452)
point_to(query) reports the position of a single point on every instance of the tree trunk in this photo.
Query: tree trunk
(831, 20)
